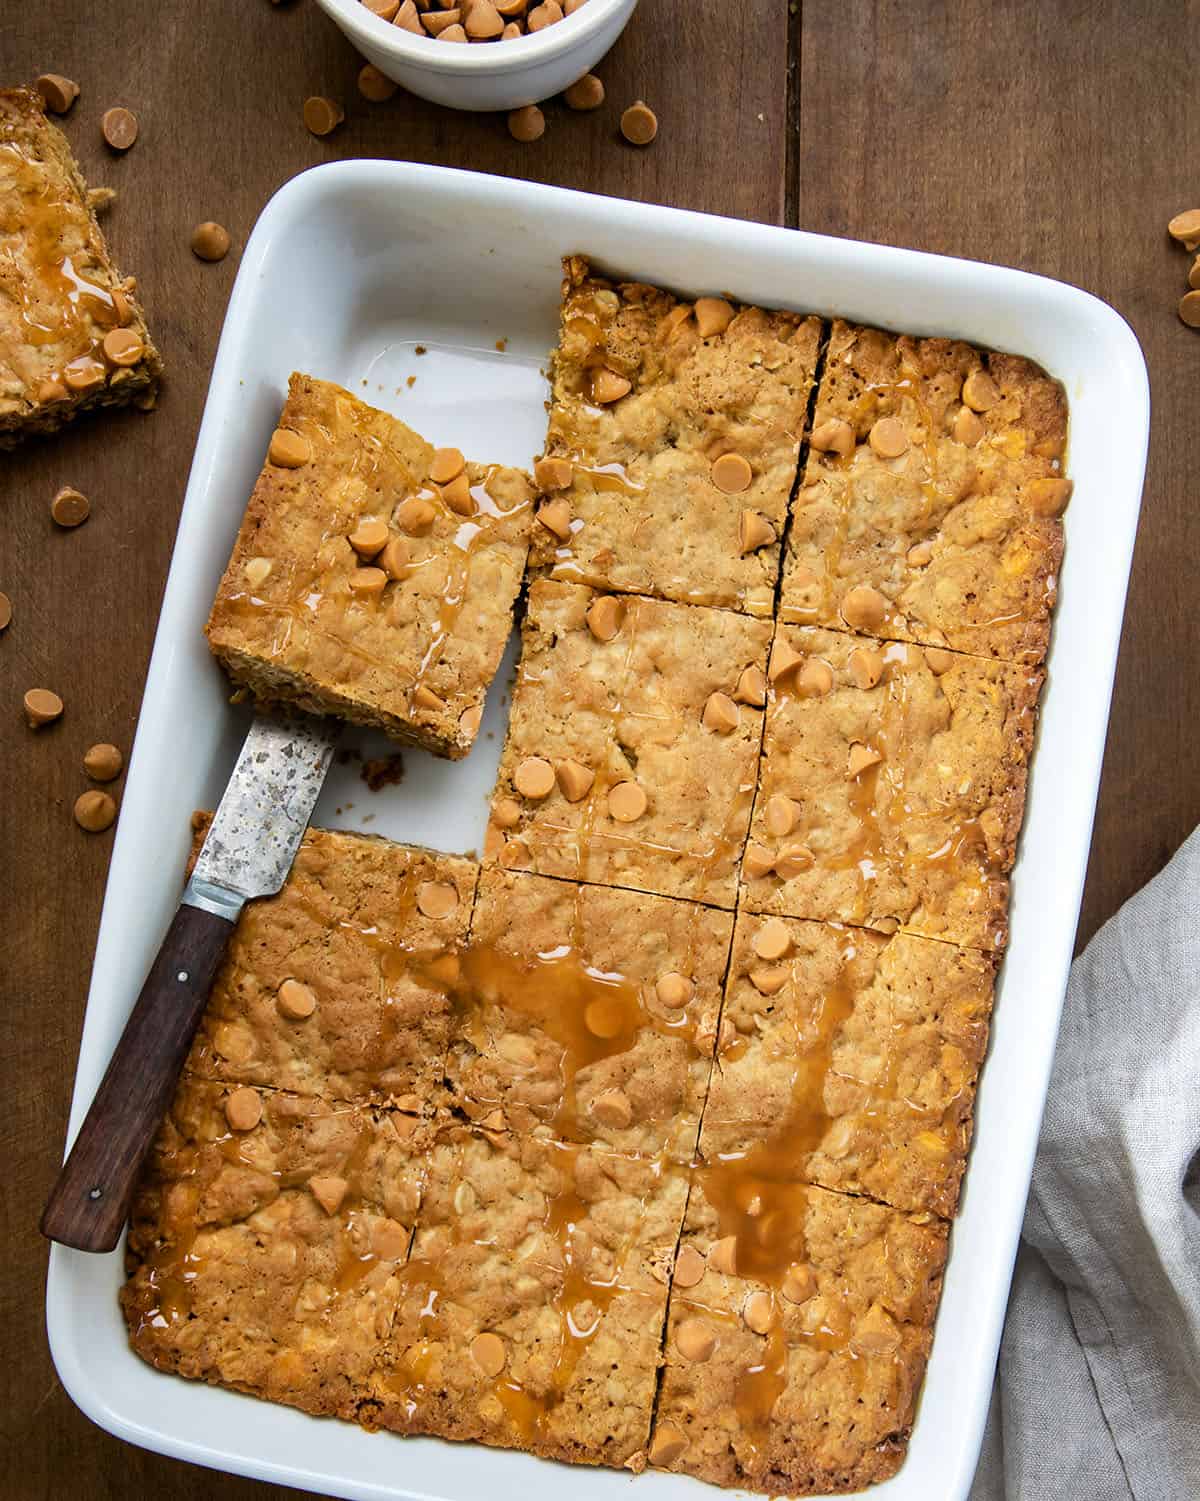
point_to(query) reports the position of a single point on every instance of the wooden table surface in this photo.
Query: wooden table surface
(1057, 138)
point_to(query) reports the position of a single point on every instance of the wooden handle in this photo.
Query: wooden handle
(90, 1202)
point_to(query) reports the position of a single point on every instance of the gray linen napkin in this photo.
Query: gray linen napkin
(1097, 1396)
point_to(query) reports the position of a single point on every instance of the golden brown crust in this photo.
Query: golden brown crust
(56, 274)
(413, 659)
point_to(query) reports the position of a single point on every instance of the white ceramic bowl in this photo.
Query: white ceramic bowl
(491, 75)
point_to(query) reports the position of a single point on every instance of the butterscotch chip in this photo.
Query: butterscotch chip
(722, 1255)
(84, 373)
(122, 347)
(1049, 497)
(779, 815)
(585, 93)
(799, 1284)
(792, 860)
(574, 779)
(295, 1000)
(666, 1446)
(674, 990)
(95, 811)
(103, 762)
(967, 427)
(384, 9)
(720, 714)
(436, 21)
(5, 612)
(694, 1339)
(612, 1108)
(979, 391)
(784, 660)
(757, 862)
(506, 812)
(938, 659)
(627, 802)
(41, 707)
(426, 698)
(394, 558)
(604, 616)
(713, 316)
(815, 678)
(368, 581)
(374, 86)
(639, 124)
(437, 898)
(544, 15)
(210, 241)
(243, 1109)
(833, 436)
(415, 515)
(119, 127)
(1194, 273)
(772, 940)
(860, 757)
(607, 386)
(534, 778)
(446, 464)
(1185, 228)
(527, 124)
(322, 115)
(511, 30)
(866, 666)
(389, 1240)
(555, 516)
(257, 571)
(731, 473)
(751, 687)
(369, 537)
(489, 1354)
(328, 1192)
(453, 34)
(919, 555)
(288, 450)
(864, 608)
(59, 93)
(754, 531)
(758, 1311)
(689, 1267)
(769, 979)
(408, 18)
(70, 507)
(483, 21)
(888, 438)
(604, 1017)
(553, 474)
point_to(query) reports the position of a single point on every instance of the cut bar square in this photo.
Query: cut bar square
(632, 745)
(534, 1299)
(800, 1323)
(265, 1255)
(851, 1055)
(892, 786)
(72, 336)
(587, 1013)
(931, 503)
(359, 587)
(649, 393)
(336, 986)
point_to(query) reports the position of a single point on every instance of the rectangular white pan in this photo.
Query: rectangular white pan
(350, 267)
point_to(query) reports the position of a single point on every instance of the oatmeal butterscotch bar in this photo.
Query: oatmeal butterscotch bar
(632, 744)
(930, 507)
(72, 336)
(892, 786)
(851, 1057)
(336, 987)
(674, 434)
(374, 577)
(799, 1326)
(587, 1013)
(266, 1239)
(532, 1304)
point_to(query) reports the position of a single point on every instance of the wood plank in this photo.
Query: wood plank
(1060, 139)
(218, 91)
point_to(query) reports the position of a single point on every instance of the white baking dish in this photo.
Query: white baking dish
(350, 266)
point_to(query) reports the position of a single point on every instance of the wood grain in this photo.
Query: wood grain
(218, 89)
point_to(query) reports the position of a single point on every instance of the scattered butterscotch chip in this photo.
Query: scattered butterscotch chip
(366, 582)
(1049, 497)
(257, 571)
(627, 802)
(534, 778)
(555, 516)
(784, 660)
(731, 473)
(42, 707)
(639, 124)
(604, 1018)
(1185, 228)
(751, 687)
(58, 93)
(799, 1284)
(527, 124)
(888, 438)
(772, 940)
(553, 474)
(506, 812)
(5, 612)
(769, 979)
(815, 678)
(119, 127)
(574, 779)
(369, 537)
(394, 558)
(608, 386)
(322, 115)
(666, 1446)
(674, 990)
(979, 391)
(1189, 309)
(720, 714)
(489, 1354)
(374, 86)
(713, 316)
(95, 811)
(210, 241)
(389, 1240)
(445, 465)
(295, 1000)
(860, 758)
(612, 1108)
(757, 862)
(779, 815)
(585, 93)
(243, 1109)
(122, 346)
(864, 608)
(695, 1339)
(437, 899)
(689, 1267)
(833, 436)
(967, 427)
(758, 1311)
(70, 507)
(919, 555)
(288, 450)
(754, 531)
(722, 1255)
(792, 860)
(866, 666)
(103, 762)
(604, 616)
(938, 660)
(426, 698)
(329, 1192)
